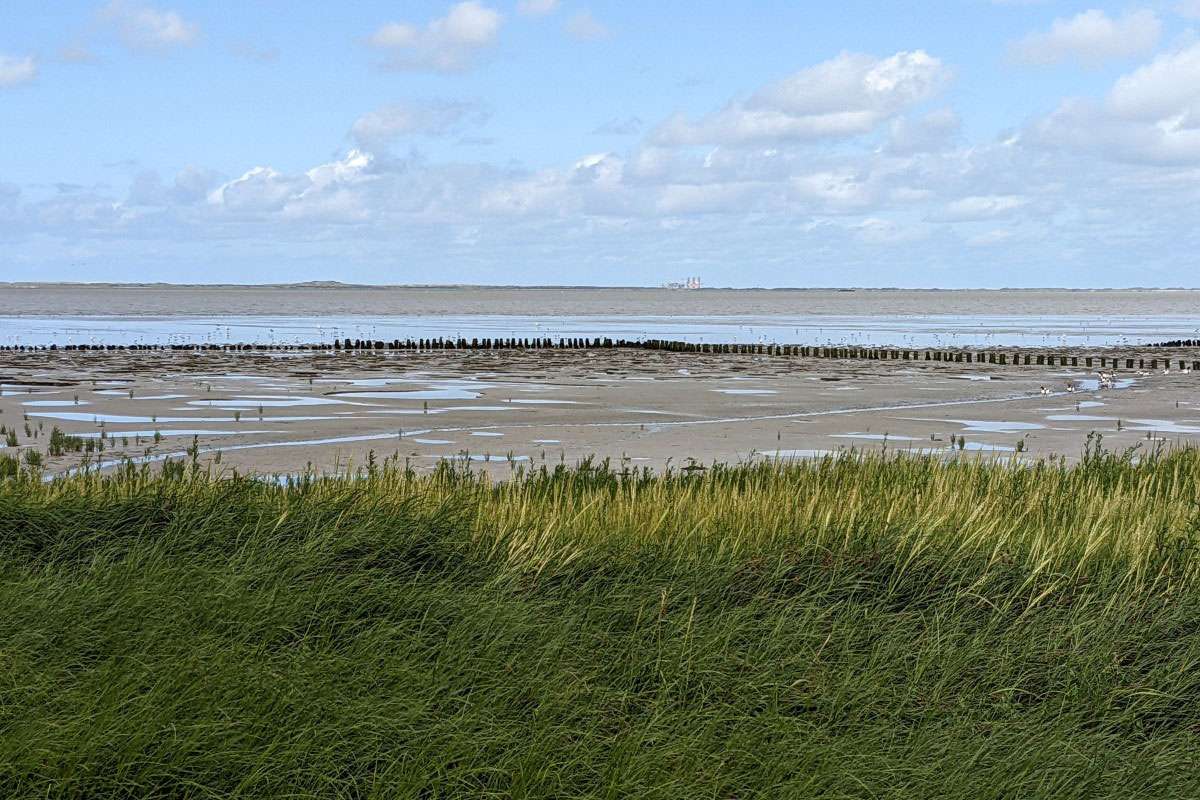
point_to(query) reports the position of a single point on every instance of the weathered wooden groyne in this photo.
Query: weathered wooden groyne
(1128, 359)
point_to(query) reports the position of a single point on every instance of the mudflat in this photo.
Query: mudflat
(504, 410)
(299, 300)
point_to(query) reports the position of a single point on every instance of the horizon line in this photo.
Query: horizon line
(590, 287)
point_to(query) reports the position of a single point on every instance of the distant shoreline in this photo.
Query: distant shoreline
(319, 285)
(359, 300)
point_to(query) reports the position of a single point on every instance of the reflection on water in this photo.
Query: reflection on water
(80, 416)
(149, 434)
(417, 394)
(251, 402)
(745, 391)
(879, 437)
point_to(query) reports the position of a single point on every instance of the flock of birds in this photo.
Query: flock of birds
(1106, 380)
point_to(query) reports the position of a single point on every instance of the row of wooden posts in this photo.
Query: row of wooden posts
(958, 356)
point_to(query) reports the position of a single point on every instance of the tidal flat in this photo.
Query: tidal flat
(327, 412)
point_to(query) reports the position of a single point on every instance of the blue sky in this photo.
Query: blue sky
(964, 143)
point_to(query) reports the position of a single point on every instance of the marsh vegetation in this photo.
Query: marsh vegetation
(870, 626)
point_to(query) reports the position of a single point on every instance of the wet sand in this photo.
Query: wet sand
(328, 412)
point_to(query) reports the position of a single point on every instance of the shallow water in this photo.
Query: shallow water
(901, 330)
(745, 391)
(996, 426)
(879, 437)
(254, 402)
(125, 394)
(417, 394)
(1163, 426)
(80, 416)
(149, 434)
(1093, 384)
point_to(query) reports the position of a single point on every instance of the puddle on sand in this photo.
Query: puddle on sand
(890, 437)
(54, 403)
(404, 411)
(81, 416)
(136, 396)
(25, 392)
(986, 447)
(486, 433)
(1093, 384)
(165, 432)
(546, 441)
(745, 391)
(1164, 426)
(547, 402)
(417, 394)
(993, 426)
(251, 402)
(652, 411)
(432, 441)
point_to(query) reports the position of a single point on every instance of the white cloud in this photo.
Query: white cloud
(384, 125)
(332, 193)
(1166, 87)
(448, 44)
(845, 96)
(1151, 115)
(1188, 8)
(835, 191)
(619, 127)
(980, 207)
(584, 27)
(990, 238)
(1090, 38)
(933, 131)
(689, 199)
(143, 27)
(16, 70)
(777, 207)
(191, 185)
(876, 230)
(537, 8)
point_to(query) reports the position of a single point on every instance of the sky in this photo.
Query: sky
(964, 143)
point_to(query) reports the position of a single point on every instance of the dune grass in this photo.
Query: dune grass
(852, 627)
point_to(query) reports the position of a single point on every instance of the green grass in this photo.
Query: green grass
(866, 627)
